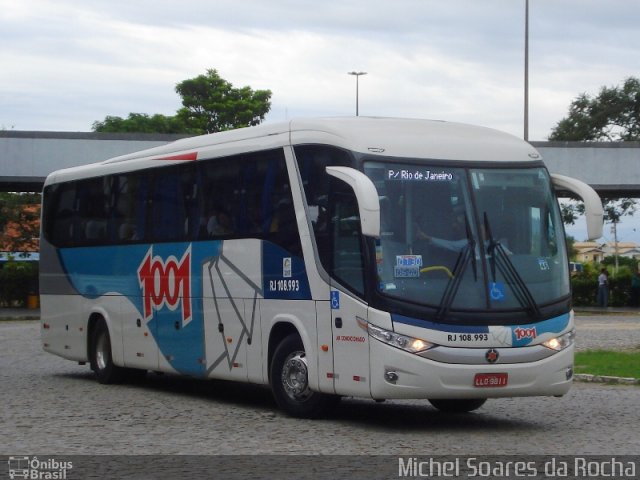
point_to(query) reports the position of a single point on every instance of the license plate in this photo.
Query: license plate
(483, 380)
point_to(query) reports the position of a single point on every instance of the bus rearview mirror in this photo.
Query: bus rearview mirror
(367, 196)
(593, 211)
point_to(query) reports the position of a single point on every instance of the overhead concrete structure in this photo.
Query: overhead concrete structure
(26, 158)
(611, 168)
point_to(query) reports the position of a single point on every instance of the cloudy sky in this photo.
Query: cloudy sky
(68, 63)
(65, 64)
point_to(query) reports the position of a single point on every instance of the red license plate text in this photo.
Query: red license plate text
(483, 380)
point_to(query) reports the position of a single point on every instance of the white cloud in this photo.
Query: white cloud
(67, 64)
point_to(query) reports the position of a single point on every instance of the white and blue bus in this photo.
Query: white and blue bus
(368, 257)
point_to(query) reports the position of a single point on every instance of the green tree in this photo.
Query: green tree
(212, 104)
(571, 249)
(612, 115)
(143, 123)
(614, 210)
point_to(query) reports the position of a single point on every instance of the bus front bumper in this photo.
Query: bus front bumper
(399, 374)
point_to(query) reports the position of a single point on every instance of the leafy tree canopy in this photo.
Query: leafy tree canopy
(614, 210)
(612, 115)
(142, 123)
(210, 104)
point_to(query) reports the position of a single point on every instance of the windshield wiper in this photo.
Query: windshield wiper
(466, 255)
(499, 259)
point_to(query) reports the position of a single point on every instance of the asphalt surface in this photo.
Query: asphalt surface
(53, 405)
(53, 410)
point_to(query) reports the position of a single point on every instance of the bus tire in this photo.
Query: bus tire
(290, 383)
(457, 405)
(101, 359)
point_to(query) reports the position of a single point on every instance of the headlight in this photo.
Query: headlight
(403, 342)
(561, 342)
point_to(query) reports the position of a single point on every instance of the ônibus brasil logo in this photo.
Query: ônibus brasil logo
(166, 283)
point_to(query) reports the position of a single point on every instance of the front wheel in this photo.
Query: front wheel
(101, 361)
(289, 377)
(458, 405)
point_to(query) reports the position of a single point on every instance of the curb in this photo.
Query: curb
(20, 318)
(588, 378)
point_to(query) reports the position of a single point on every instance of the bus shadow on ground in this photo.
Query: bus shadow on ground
(392, 415)
(419, 415)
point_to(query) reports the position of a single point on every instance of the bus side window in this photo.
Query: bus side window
(129, 207)
(280, 215)
(92, 211)
(167, 212)
(58, 215)
(248, 196)
(220, 182)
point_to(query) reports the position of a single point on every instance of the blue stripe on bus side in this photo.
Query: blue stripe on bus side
(98, 271)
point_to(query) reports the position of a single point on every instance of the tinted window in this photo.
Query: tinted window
(333, 212)
(244, 196)
(249, 196)
(59, 213)
(129, 201)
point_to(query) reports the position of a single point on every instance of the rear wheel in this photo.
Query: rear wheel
(289, 376)
(101, 360)
(458, 405)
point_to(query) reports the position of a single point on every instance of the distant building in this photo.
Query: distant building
(594, 252)
(625, 249)
(589, 252)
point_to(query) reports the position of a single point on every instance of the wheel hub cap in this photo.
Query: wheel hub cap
(295, 376)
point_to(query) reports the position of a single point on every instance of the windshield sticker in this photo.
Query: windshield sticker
(419, 175)
(496, 291)
(543, 264)
(407, 266)
(406, 272)
(408, 260)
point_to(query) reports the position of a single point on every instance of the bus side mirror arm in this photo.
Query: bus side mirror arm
(592, 205)
(367, 196)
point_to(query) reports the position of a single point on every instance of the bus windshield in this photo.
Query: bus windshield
(465, 239)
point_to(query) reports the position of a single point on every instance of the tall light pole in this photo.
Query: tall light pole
(357, 75)
(526, 71)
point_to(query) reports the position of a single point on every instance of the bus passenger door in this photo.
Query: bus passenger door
(350, 340)
(350, 345)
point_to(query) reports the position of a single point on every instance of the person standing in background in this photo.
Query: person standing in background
(603, 288)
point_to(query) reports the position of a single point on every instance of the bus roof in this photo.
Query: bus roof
(390, 137)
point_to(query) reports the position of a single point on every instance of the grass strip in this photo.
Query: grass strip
(607, 362)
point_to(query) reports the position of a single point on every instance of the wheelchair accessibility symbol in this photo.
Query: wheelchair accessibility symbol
(496, 291)
(335, 300)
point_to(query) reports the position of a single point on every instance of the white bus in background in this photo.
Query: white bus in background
(368, 257)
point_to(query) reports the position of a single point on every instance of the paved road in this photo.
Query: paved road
(610, 332)
(51, 405)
